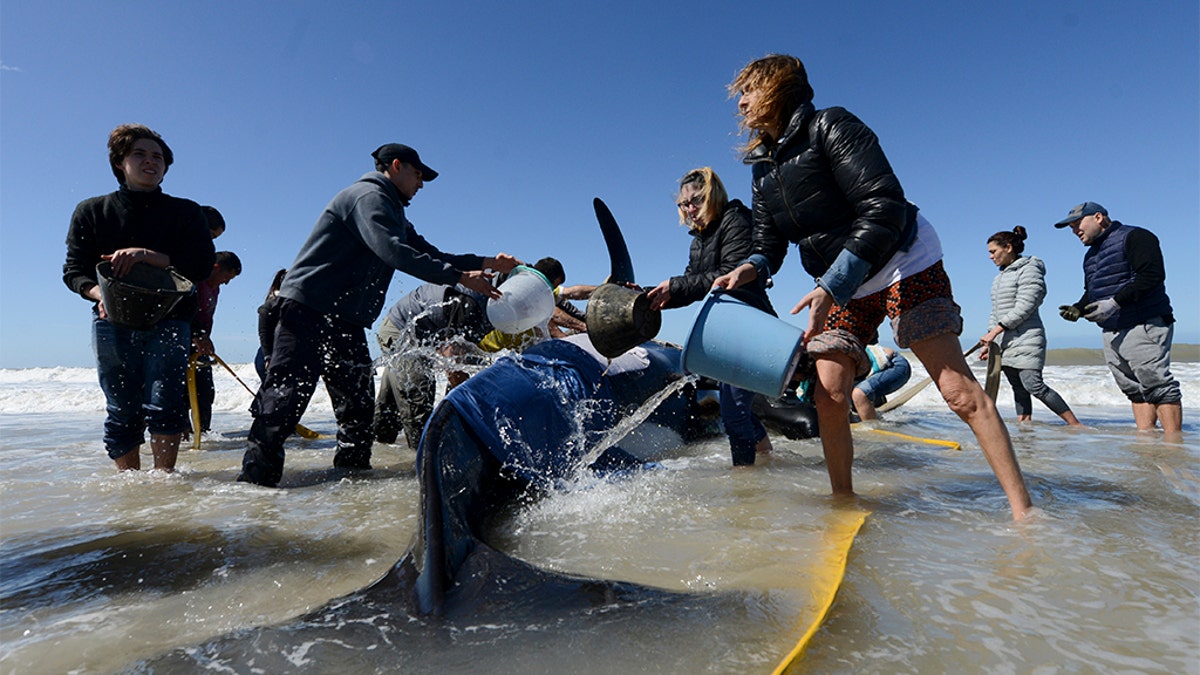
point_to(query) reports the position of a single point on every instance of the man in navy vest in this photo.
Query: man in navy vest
(1125, 294)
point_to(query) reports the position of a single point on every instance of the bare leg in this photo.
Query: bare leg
(1145, 415)
(863, 405)
(763, 447)
(1070, 418)
(942, 357)
(835, 376)
(165, 448)
(1024, 418)
(130, 461)
(1171, 417)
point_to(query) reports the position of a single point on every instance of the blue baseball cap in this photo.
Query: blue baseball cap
(1081, 211)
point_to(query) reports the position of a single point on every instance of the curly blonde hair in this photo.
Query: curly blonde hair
(783, 86)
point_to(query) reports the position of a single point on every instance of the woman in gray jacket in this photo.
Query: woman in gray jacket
(1017, 292)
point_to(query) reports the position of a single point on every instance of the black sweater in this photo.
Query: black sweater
(715, 251)
(128, 218)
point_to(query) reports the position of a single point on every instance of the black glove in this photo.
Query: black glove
(1069, 312)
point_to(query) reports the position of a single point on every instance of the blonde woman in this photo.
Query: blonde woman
(720, 231)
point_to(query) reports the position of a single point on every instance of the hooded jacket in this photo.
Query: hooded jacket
(1017, 292)
(827, 186)
(360, 239)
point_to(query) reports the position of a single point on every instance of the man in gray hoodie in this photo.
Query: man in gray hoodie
(332, 294)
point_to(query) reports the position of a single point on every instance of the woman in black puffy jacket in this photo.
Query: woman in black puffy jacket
(721, 239)
(822, 182)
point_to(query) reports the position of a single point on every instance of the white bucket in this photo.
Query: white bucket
(528, 301)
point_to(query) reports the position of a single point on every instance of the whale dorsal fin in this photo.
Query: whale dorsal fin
(618, 252)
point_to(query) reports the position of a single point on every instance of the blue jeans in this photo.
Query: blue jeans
(143, 374)
(741, 425)
(886, 381)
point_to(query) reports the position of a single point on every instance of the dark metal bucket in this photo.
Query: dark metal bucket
(143, 297)
(619, 319)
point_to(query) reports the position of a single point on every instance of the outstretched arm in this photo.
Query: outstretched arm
(740, 276)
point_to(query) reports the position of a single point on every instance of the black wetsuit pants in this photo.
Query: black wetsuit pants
(311, 346)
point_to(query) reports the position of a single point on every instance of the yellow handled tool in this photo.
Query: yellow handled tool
(191, 384)
(301, 430)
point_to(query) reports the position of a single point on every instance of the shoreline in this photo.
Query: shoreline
(1069, 356)
(1089, 356)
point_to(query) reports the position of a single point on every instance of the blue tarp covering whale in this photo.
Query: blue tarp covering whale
(509, 433)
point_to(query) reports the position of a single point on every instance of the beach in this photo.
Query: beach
(104, 572)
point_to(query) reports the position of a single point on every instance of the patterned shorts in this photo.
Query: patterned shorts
(921, 307)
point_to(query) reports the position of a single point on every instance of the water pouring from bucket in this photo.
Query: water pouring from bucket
(141, 298)
(527, 301)
(734, 342)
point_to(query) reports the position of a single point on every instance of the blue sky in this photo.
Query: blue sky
(992, 114)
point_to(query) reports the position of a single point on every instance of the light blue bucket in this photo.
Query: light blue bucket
(734, 342)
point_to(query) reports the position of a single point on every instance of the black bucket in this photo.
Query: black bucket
(619, 319)
(143, 297)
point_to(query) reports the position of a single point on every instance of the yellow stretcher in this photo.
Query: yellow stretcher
(826, 579)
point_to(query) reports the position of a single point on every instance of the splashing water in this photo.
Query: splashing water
(415, 358)
(587, 439)
(631, 421)
(94, 578)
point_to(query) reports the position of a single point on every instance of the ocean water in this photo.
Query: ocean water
(101, 572)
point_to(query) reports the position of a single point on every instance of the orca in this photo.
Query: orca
(522, 426)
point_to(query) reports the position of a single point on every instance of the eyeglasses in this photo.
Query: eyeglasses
(695, 202)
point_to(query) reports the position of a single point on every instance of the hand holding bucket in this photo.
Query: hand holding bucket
(527, 300)
(734, 342)
(143, 296)
(619, 318)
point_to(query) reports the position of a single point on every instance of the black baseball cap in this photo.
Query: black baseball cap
(386, 153)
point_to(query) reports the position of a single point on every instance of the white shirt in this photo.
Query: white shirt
(926, 249)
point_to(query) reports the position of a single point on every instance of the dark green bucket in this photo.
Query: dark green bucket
(619, 319)
(140, 299)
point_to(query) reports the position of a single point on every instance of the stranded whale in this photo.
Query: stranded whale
(516, 429)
